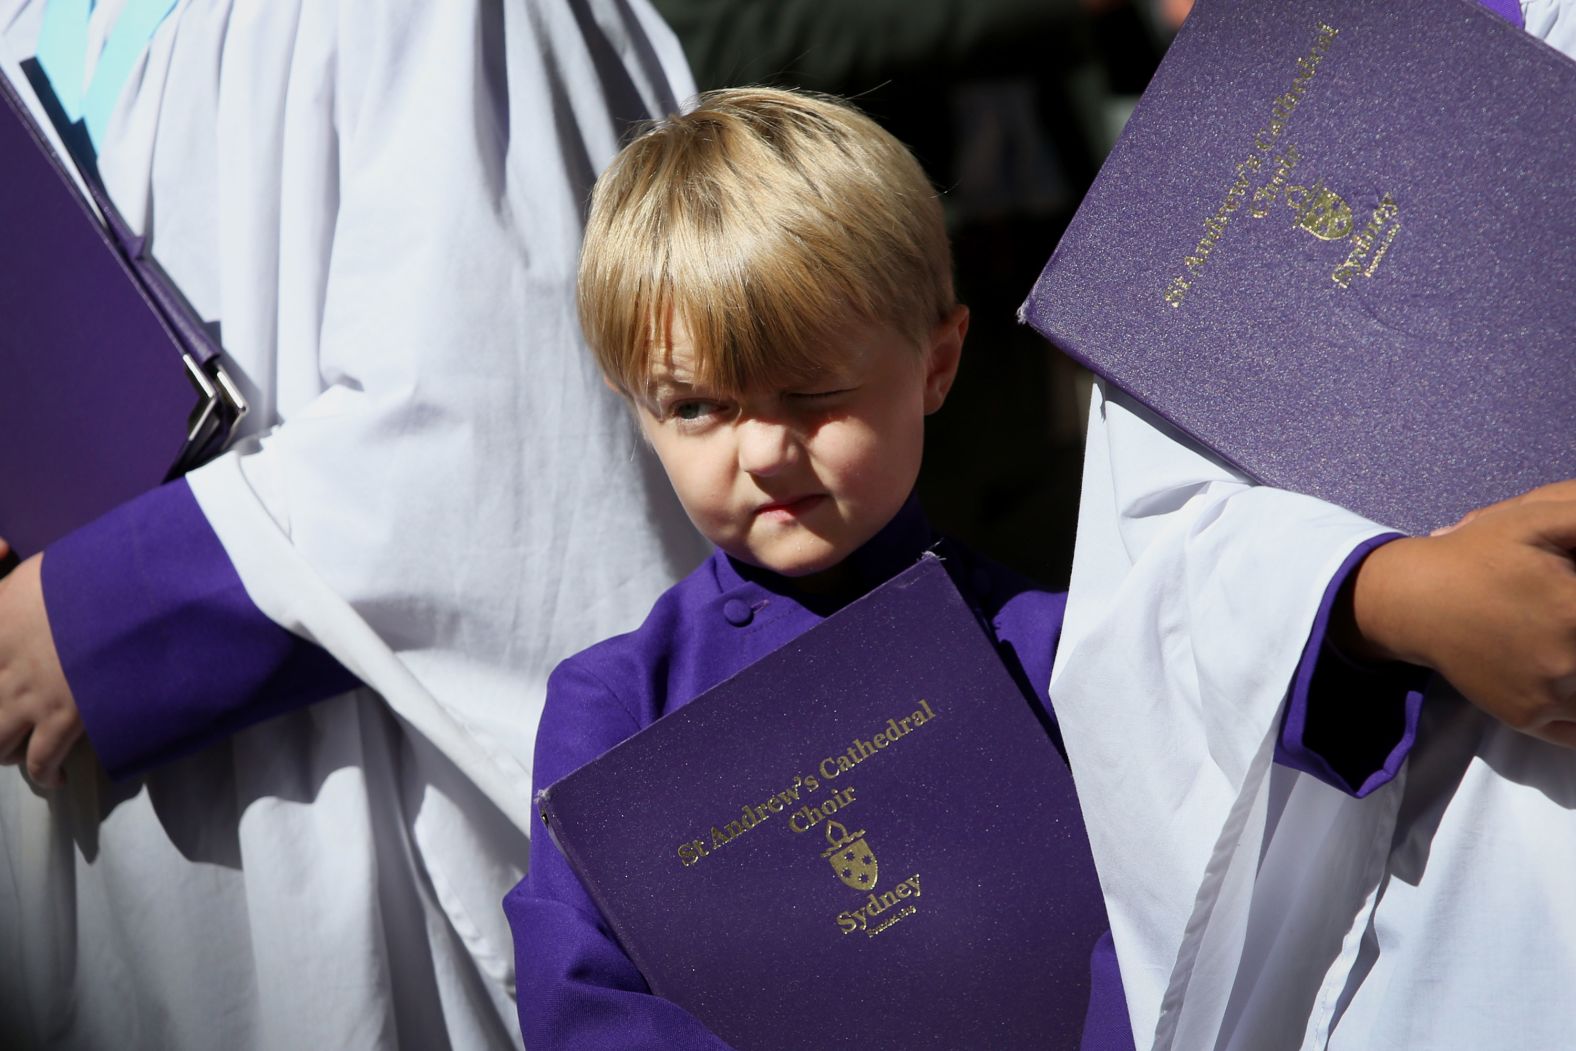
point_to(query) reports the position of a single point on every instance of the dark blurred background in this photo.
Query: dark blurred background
(1010, 105)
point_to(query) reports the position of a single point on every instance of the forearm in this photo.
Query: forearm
(1489, 604)
(162, 647)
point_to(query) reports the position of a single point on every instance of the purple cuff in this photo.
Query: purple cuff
(162, 647)
(1349, 723)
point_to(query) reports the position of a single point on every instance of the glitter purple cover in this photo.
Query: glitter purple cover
(751, 936)
(93, 396)
(1441, 376)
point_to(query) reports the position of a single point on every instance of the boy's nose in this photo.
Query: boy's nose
(766, 447)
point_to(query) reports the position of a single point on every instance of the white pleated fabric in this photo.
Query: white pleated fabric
(381, 204)
(1253, 907)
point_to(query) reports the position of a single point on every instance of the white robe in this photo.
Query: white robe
(1252, 906)
(381, 204)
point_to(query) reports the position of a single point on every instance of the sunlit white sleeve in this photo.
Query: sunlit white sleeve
(1192, 599)
(1253, 906)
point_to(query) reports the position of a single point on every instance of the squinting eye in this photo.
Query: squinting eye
(819, 395)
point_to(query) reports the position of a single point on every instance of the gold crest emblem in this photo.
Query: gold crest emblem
(1320, 211)
(850, 856)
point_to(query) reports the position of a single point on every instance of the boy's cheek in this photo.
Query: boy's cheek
(707, 509)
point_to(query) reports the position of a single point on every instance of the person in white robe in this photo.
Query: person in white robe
(1255, 907)
(380, 206)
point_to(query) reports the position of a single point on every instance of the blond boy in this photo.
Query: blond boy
(767, 281)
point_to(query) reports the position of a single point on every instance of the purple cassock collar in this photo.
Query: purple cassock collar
(1509, 10)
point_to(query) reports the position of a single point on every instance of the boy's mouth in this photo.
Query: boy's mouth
(793, 508)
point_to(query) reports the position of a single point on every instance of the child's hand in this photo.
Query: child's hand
(1489, 603)
(38, 717)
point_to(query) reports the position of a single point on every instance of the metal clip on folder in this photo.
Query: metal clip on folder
(220, 404)
(211, 425)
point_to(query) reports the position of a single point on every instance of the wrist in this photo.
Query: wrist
(1378, 618)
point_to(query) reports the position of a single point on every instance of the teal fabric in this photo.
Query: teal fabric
(62, 47)
(62, 53)
(137, 23)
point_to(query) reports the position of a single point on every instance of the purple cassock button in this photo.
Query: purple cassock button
(737, 612)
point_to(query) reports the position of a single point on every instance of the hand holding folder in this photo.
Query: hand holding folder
(1489, 603)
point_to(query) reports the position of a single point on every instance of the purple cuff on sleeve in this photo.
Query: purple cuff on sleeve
(162, 647)
(1349, 723)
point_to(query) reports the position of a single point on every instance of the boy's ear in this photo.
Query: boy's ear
(943, 355)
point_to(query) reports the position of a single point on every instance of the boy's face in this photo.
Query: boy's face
(794, 480)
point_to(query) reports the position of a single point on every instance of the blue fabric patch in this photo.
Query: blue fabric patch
(127, 41)
(62, 53)
(62, 43)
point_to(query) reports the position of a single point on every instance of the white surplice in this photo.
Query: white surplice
(1253, 907)
(381, 206)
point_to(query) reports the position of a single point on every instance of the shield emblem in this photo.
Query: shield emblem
(1325, 215)
(855, 865)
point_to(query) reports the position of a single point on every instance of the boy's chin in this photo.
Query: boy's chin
(800, 563)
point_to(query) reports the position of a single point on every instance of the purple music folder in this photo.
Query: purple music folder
(96, 405)
(856, 842)
(1334, 244)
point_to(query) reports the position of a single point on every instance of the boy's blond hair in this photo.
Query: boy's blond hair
(764, 221)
